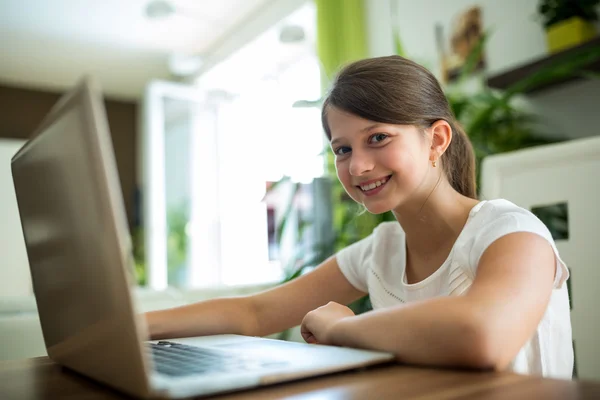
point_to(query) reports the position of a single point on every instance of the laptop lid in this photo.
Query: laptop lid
(78, 244)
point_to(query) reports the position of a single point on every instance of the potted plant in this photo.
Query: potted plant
(568, 23)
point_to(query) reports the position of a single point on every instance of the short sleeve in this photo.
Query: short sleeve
(354, 262)
(511, 222)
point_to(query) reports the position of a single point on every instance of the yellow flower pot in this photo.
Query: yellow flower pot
(569, 33)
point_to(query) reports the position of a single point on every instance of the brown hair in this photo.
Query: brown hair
(395, 90)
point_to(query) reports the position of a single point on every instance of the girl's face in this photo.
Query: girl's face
(380, 165)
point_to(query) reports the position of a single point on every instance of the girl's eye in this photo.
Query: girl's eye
(340, 151)
(378, 138)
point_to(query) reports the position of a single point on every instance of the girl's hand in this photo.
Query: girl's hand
(317, 324)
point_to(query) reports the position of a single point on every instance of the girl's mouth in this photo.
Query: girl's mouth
(374, 187)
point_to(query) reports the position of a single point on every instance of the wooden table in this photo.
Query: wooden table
(40, 378)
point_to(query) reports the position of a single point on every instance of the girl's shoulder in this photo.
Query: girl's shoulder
(503, 214)
(498, 207)
(491, 219)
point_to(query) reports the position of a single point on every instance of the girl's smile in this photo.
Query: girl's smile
(373, 186)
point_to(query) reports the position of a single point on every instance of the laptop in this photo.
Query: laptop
(80, 257)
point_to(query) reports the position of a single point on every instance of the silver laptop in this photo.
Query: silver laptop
(80, 257)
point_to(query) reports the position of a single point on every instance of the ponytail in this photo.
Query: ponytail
(458, 162)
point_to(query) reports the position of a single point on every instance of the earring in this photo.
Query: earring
(433, 163)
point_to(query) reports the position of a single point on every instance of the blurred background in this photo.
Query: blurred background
(214, 112)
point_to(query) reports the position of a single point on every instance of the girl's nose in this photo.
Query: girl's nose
(360, 163)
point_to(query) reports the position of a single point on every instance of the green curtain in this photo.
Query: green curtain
(341, 35)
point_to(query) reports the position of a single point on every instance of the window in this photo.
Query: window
(262, 138)
(221, 152)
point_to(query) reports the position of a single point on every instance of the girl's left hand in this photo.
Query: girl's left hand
(317, 324)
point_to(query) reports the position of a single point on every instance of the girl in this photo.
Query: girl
(454, 282)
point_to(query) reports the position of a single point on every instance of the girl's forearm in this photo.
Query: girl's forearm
(440, 332)
(218, 316)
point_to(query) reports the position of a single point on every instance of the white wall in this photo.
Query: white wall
(570, 110)
(516, 34)
(14, 267)
(517, 37)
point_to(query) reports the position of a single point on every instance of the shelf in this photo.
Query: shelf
(506, 79)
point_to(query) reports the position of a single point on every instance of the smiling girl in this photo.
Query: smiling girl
(453, 282)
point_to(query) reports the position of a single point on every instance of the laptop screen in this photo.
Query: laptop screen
(77, 240)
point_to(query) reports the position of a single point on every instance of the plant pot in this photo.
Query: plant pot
(569, 33)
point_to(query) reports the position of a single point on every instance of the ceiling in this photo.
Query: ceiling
(49, 44)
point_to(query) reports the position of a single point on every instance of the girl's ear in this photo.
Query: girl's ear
(441, 136)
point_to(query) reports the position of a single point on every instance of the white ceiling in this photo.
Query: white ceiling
(50, 43)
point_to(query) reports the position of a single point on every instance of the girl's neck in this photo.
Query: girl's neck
(432, 224)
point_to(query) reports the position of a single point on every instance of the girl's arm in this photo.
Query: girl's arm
(261, 314)
(485, 328)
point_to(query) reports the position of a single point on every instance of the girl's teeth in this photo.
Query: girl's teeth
(374, 185)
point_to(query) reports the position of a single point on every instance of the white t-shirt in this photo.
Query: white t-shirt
(376, 265)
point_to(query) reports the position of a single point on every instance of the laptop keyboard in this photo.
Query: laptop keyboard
(176, 359)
